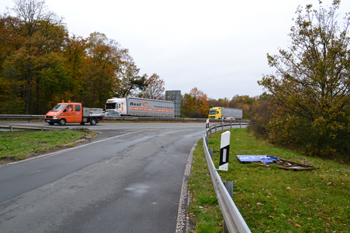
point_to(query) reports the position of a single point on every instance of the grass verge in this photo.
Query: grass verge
(271, 199)
(20, 145)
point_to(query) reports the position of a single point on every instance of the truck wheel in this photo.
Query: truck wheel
(62, 122)
(93, 121)
(51, 123)
(82, 123)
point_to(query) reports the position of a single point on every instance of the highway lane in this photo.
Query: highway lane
(124, 180)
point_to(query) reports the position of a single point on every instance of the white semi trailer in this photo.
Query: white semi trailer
(132, 106)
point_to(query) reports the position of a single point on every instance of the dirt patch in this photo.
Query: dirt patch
(42, 143)
(302, 160)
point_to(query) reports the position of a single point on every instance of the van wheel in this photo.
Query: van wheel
(62, 122)
(51, 123)
(93, 121)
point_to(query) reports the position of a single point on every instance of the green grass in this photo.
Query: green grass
(23, 144)
(271, 199)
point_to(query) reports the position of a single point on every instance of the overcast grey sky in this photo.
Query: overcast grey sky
(218, 46)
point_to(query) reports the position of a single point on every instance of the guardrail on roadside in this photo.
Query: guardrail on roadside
(116, 118)
(26, 127)
(21, 116)
(234, 221)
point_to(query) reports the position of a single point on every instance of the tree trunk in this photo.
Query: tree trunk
(28, 94)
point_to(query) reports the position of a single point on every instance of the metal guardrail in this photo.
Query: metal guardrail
(12, 127)
(130, 118)
(233, 218)
(22, 117)
(222, 125)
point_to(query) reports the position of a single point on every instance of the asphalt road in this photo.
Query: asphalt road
(127, 179)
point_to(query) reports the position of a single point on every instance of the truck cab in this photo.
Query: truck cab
(215, 113)
(116, 107)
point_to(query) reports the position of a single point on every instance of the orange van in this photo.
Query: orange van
(69, 112)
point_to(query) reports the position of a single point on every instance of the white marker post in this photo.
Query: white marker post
(224, 151)
(207, 124)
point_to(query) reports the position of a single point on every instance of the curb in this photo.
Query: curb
(183, 223)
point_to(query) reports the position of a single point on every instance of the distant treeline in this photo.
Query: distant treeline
(196, 104)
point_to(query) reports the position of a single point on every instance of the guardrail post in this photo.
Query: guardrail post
(211, 152)
(229, 188)
(206, 140)
(210, 132)
(240, 125)
(11, 128)
(222, 126)
(215, 129)
(230, 125)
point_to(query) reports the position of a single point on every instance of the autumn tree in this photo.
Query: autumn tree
(187, 106)
(223, 102)
(131, 83)
(103, 63)
(155, 88)
(310, 87)
(260, 111)
(243, 102)
(76, 63)
(195, 104)
(201, 101)
(35, 37)
(246, 99)
(40, 64)
(11, 94)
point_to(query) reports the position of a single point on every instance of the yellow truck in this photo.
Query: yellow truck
(225, 113)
